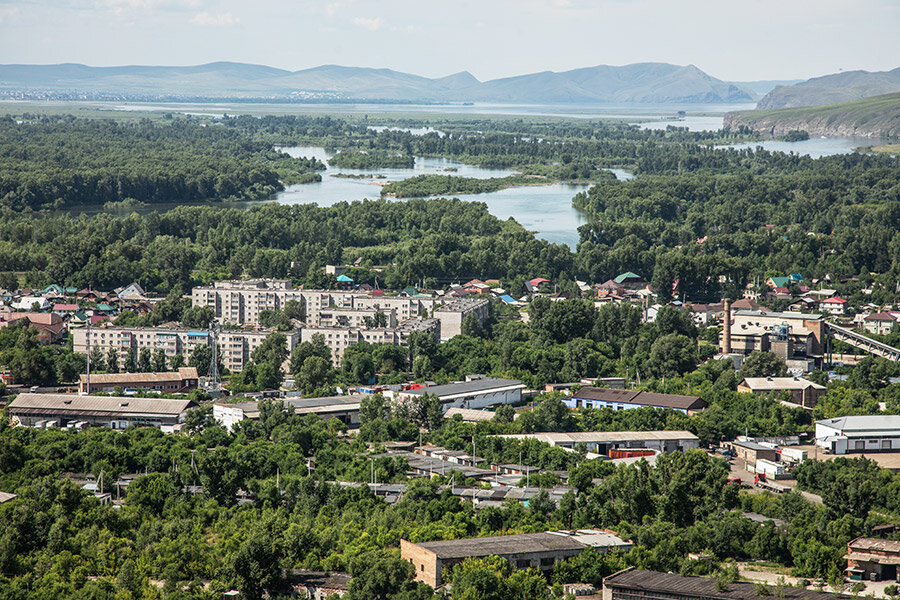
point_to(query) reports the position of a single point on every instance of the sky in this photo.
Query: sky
(734, 40)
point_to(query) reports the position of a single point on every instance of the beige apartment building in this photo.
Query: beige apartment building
(241, 302)
(235, 346)
(339, 338)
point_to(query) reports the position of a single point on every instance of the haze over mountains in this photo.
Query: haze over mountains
(832, 89)
(656, 83)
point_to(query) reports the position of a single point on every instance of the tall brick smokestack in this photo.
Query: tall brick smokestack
(726, 332)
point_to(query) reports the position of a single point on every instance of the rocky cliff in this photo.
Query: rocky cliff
(877, 117)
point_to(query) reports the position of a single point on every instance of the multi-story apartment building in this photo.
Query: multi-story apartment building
(407, 307)
(339, 338)
(351, 317)
(240, 302)
(235, 346)
(451, 315)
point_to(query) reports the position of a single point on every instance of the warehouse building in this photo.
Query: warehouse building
(594, 397)
(869, 433)
(541, 550)
(602, 442)
(873, 559)
(637, 584)
(477, 393)
(803, 391)
(343, 408)
(182, 380)
(115, 412)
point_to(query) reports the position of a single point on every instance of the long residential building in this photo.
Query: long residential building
(241, 302)
(339, 338)
(116, 412)
(182, 380)
(235, 345)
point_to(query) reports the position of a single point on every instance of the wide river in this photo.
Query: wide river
(547, 210)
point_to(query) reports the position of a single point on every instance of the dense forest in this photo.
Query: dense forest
(57, 162)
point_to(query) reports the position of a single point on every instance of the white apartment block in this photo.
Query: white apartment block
(339, 338)
(350, 317)
(451, 315)
(235, 346)
(240, 302)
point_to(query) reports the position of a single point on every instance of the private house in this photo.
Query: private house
(593, 397)
(175, 382)
(857, 434)
(115, 412)
(834, 305)
(803, 391)
(32, 303)
(49, 325)
(540, 550)
(881, 323)
(631, 281)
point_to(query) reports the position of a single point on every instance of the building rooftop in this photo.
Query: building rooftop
(877, 544)
(793, 316)
(126, 378)
(71, 405)
(504, 545)
(468, 387)
(864, 425)
(461, 304)
(752, 446)
(700, 587)
(640, 398)
(603, 436)
(469, 414)
(780, 383)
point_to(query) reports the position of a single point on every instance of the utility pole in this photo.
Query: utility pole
(88, 390)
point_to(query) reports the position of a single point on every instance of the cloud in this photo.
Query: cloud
(208, 20)
(370, 24)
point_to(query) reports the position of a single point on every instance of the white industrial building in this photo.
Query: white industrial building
(869, 433)
(477, 393)
(604, 441)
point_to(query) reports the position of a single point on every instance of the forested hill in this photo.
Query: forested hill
(832, 89)
(870, 117)
(643, 82)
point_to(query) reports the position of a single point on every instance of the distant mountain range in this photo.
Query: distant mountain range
(832, 89)
(657, 83)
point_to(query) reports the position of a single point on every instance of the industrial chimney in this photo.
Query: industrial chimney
(726, 332)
